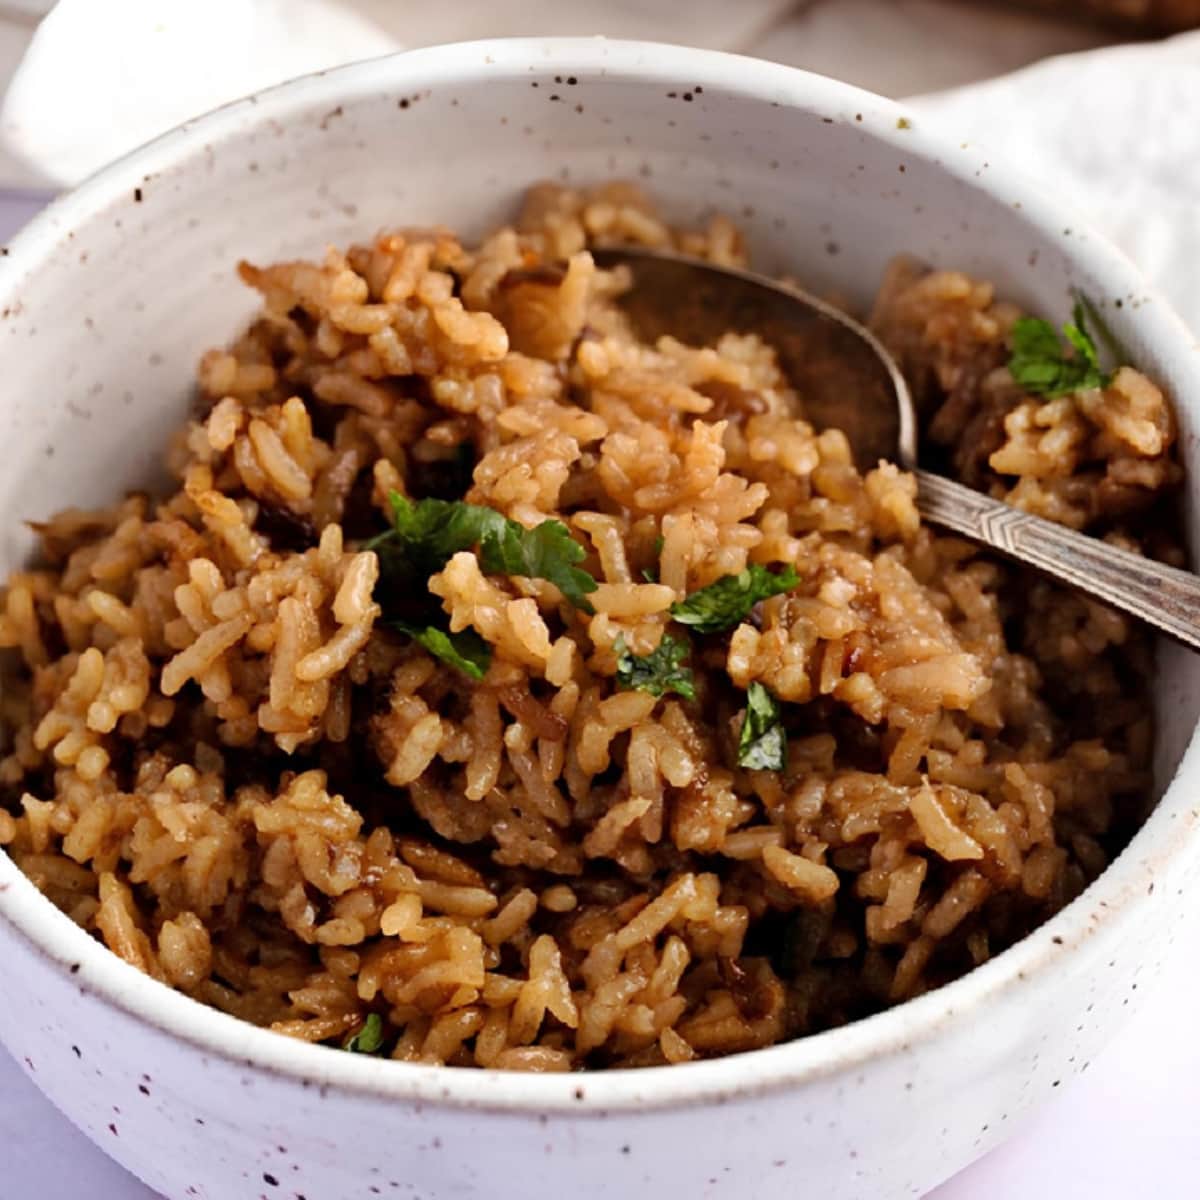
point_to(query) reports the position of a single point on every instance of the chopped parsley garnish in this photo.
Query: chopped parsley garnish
(650, 574)
(548, 551)
(762, 745)
(724, 604)
(426, 534)
(1117, 352)
(659, 672)
(1041, 364)
(369, 1039)
(465, 650)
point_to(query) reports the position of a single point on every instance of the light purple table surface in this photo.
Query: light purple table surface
(1128, 1127)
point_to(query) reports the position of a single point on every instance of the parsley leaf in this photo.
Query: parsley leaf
(369, 1039)
(1040, 364)
(650, 574)
(465, 650)
(547, 551)
(762, 745)
(1116, 350)
(658, 672)
(725, 603)
(426, 534)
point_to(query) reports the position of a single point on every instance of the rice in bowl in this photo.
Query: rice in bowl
(498, 690)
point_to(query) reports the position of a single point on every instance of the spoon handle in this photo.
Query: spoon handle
(1163, 596)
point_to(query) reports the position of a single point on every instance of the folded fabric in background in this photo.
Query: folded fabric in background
(100, 78)
(103, 76)
(1113, 133)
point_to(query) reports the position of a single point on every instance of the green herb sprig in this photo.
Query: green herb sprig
(426, 534)
(369, 1039)
(762, 745)
(1040, 362)
(548, 551)
(728, 601)
(658, 672)
(465, 650)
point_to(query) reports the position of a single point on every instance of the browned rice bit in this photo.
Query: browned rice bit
(225, 761)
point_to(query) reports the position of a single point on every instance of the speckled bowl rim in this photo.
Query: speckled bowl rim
(1155, 853)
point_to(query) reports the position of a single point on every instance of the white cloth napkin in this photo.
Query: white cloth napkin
(101, 77)
(1111, 133)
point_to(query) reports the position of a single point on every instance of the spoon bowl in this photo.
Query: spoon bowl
(825, 354)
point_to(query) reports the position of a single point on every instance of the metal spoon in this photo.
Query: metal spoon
(849, 381)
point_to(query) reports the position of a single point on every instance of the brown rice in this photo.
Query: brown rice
(225, 762)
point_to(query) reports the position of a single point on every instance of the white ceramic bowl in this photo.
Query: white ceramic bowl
(105, 304)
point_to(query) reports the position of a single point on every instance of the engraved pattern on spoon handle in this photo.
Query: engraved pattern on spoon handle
(1163, 596)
